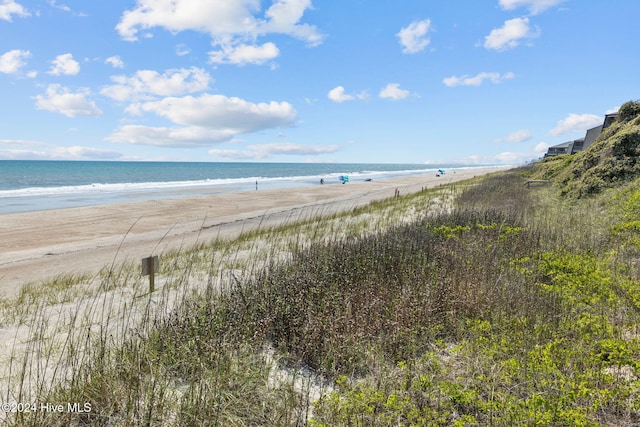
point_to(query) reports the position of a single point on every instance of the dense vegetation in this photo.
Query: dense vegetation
(512, 309)
(513, 306)
(611, 161)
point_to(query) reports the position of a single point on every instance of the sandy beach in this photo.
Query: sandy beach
(37, 246)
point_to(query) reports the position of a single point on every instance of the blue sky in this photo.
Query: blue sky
(404, 81)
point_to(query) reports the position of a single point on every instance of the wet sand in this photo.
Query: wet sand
(37, 246)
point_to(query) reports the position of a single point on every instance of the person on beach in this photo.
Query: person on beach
(321, 180)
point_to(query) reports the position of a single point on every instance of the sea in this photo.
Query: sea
(32, 185)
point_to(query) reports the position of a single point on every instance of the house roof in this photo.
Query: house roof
(563, 145)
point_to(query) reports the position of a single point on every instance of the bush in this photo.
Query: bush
(629, 111)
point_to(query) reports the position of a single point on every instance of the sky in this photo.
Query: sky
(377, 81)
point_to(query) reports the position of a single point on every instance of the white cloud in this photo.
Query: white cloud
(509, 35)
(541, 148)
(517, 136)
(114, 61)
(147, 84)
(576, 123)
(393, 91)
(283, 17)
(245, 54)
(415, 37)
(535, 6)
(64, 65)
(216, 18)
(262, 151)
(221, 112)
(338, 94)
(204, 120)
(192, 136)
(12, 61)
(233, 26)
(61, 100)
(478, 79)
(10, 7)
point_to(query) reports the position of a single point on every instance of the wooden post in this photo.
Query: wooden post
(152, 274)
(150, 267)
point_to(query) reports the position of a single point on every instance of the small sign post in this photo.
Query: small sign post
(150, 268)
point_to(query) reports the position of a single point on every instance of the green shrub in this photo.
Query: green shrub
(629, 111)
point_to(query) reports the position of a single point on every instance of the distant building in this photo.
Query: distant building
(564, 148)
(572, 147)
(578, 145)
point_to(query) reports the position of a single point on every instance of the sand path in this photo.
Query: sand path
(35, 246)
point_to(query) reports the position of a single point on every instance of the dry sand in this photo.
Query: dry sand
(36, 246)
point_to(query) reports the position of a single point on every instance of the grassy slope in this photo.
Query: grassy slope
(610, 162)
(516, 307)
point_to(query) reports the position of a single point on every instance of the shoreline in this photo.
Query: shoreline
(40, 245)
(99, 183)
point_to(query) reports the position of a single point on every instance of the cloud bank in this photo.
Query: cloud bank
(204, 120)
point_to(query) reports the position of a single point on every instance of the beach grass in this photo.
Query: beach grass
(477, 303)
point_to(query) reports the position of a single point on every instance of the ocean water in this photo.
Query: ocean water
(27, 185)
